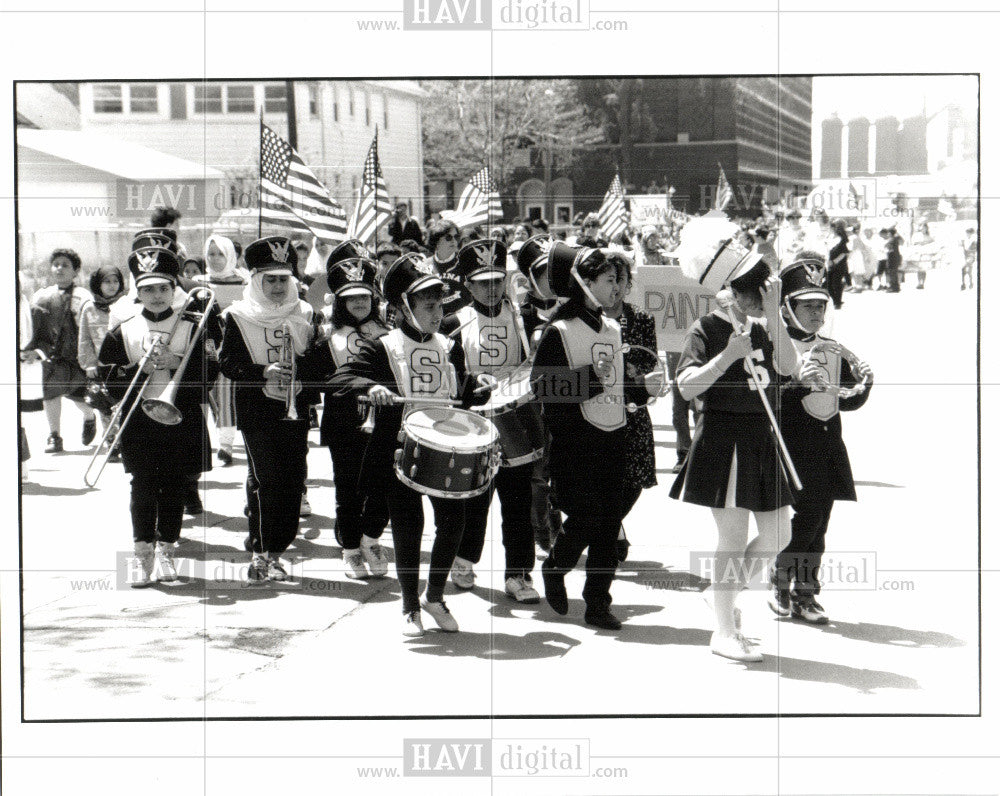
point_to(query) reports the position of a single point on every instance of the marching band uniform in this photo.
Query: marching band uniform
(362, 515)
(158, 456)
(493, 342)
(276, 444)
(536, 313)
(811, 427)
(410, 362)
(586, 417)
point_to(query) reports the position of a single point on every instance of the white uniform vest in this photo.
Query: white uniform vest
(137, 336)
(586, 347)
(345, 341)
(822, 405)
(421, 369)
(492, 345)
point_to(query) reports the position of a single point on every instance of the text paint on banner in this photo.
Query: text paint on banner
(674, 301)
(649, 209)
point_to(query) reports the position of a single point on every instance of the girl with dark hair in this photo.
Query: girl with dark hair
(55, 319)
(579, 375)
(638, 329)
(107, 285)
(362, 513)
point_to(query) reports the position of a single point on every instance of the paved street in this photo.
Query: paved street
(905, 643)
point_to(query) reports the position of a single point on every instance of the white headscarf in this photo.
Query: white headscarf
(230, 269)
(255, 307)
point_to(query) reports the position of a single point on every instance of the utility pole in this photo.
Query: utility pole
(293, 130)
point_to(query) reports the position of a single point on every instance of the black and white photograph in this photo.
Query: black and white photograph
(536, 397)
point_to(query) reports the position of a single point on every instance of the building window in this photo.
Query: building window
(313, 100)
(207, 98)
(239, 98)
(108, 98)
(385, 113)
(350, 98)
(143, 98)
(276, 99)
(368, 110)
(336, 105)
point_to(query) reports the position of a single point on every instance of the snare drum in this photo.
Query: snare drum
(517, 416)
(447, 453)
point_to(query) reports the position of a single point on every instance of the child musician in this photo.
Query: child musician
(160, 457)
(811, 427)
(267, 331)
(495, 344)
(361, 516)
(540, 306)
(412, 361)
(733, 466)
(579, 375)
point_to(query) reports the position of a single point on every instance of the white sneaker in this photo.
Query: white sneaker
(735, 648)
(164, 563)
(521, 590)
(439, 613)
(375, 557)
(355, 564)
(141, 566)
(304, 508)
(462, 575)
(412, 626)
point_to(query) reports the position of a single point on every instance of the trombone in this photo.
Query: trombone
(157, 406)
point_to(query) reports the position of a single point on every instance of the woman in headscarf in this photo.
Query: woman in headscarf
(228, 280)
(269, 332)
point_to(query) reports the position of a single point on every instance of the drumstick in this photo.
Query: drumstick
(399, 399)
(725, 301)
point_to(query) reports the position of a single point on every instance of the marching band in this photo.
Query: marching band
(438, 380)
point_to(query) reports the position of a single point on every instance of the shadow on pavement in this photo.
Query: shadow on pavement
(494, 646)
(28, 488)
(890, 634)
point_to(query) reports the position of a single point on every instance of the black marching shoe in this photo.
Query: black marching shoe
(602, 618)
(54, 443)
(808, 610)
(192, 501)
(555, 590)
(780, 601)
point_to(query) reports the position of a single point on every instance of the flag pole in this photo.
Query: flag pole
(260, 177)
(378, 167)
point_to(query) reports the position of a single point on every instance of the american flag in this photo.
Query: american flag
(612, 213)
(372, 209)
(479, 202)
(290, 194)
(723, 191)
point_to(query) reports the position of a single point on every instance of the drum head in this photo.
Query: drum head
(445, 428)
(513, 390)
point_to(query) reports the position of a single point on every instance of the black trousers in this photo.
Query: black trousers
(514, 486)
(157, 505)
(545, 518)
(358, 514)
(798, 565)
(591, 498)
(406, 511)
(276, 474)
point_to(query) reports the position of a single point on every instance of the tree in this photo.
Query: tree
(469, 124)
(620, 107)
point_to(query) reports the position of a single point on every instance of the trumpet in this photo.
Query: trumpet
(159, 407)
(286, 390)
(822, 382)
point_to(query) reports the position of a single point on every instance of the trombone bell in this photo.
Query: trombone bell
(162, 411)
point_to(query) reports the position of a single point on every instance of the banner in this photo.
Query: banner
(649, 209)
(674, 301)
